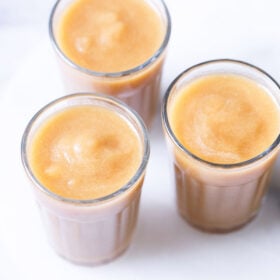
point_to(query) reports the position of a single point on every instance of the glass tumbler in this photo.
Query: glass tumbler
(138, 87)
(211, 196)
(96, 230)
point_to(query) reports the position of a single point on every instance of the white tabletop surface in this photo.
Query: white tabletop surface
(164, 246)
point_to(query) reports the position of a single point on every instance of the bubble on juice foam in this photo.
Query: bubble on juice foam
(111, 28)
(71, 182)
(52, 170)
(63, 151)
(111, 33)
(82, 44)
(77, 148)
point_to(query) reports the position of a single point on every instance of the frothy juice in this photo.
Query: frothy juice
(85, 152)
(110, 35)
(86, 156)
(222, 121)
(100, 38)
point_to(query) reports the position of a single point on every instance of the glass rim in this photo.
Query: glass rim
(178, 144)
(118, 74)
(96, 96)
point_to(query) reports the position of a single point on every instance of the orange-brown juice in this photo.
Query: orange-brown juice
(86, 156)
(223, 125)
(113, 46)
(97, 161)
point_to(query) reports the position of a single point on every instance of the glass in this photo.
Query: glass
(89, 231)
(219, 197)
(138, 87)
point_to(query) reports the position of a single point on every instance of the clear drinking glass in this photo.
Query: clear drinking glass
(88, 231)
(219, 197)
(138, 87)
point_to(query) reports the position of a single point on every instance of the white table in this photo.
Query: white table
(164, 246)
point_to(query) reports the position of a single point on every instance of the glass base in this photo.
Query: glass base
(219, 230)
(94, 263)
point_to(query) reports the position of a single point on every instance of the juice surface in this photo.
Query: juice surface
(224, 118)
(110, 35)
(85, 152)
